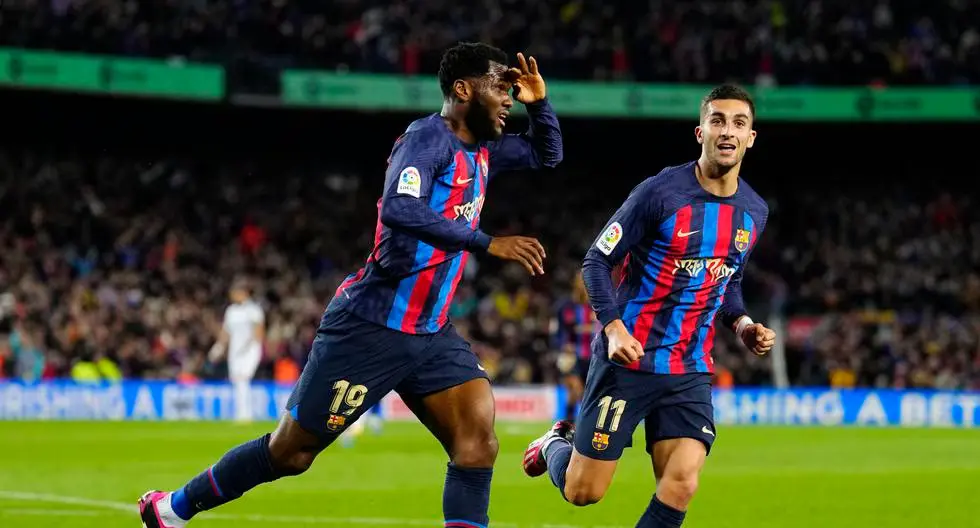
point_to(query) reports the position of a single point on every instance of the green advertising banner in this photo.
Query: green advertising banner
(648, 101)
(108, 75)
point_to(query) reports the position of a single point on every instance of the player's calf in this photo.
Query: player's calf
(288, 451)
(677, 463)
(461, 418)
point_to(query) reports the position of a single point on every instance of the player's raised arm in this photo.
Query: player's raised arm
(541, 145)
(415, 161)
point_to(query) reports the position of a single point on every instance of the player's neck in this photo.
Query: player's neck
(453, 115)
(718, 181)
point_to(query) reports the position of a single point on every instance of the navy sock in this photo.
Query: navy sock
(659, 515)
(466, 497)
(558, 454)
(240, 470)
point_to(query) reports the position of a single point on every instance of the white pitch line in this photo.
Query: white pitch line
(62, 499)
(283, 519)
(50, 513)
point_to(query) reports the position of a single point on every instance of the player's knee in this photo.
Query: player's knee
(295, 463)
(291, 449)
(477, 449)
(677, 489)
(583, 493)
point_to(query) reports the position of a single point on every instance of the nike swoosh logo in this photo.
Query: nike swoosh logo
(682, 234)
(479, 366)
(705, 430)
(461, 181)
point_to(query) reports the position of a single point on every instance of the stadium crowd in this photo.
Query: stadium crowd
(774, 41)
(122, 265)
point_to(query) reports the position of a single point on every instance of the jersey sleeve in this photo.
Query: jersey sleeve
(416, 160)
(624, 230)
(733, 306)
(541, 146)
(258, 316)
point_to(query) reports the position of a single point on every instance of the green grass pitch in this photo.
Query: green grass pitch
(88, 475)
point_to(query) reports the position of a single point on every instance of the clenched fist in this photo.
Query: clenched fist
(623, 347)
(758, 338)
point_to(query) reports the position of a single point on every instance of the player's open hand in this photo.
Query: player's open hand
(623, 347)
(525, 250)
(528, 84)
(758, 339)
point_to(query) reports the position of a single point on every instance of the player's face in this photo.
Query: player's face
(237, 295)
(490, 104)
(726, 132)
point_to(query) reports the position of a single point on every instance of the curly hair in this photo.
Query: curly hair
(467, 59)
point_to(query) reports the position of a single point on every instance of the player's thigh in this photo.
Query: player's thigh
(613, 404)
(242, 372)
(353, 363)
(450, 393)
(680, 430)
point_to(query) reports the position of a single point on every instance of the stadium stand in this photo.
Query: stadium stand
(786, 42)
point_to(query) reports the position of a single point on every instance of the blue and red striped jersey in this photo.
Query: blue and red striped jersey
(429, 217)
(684, 252)
(576, 324)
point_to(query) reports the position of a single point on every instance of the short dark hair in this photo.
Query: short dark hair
(728, 91)
(467, 59)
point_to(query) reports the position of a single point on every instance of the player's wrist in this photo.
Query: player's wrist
(537, 105)
(741, 324)
(608, 316)
(480, 242)
(614, 327)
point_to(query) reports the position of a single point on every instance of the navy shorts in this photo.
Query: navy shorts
(354, 363)
(616, 400)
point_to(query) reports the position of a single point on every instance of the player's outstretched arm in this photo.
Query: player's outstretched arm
(541, 146)
(625, 229)
(405, 206)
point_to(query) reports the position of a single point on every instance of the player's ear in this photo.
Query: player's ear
(751, 139)
(463, 90)
(698, 135)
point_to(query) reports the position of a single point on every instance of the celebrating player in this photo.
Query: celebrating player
(575, 324)
(686, 234)
(387, 326)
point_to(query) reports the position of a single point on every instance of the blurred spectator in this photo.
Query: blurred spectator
(113, 266)
(701, 41)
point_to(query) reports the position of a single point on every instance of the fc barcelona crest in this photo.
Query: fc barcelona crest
(336, 422)
(484, 168)
(600, 441)
(742, 238)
